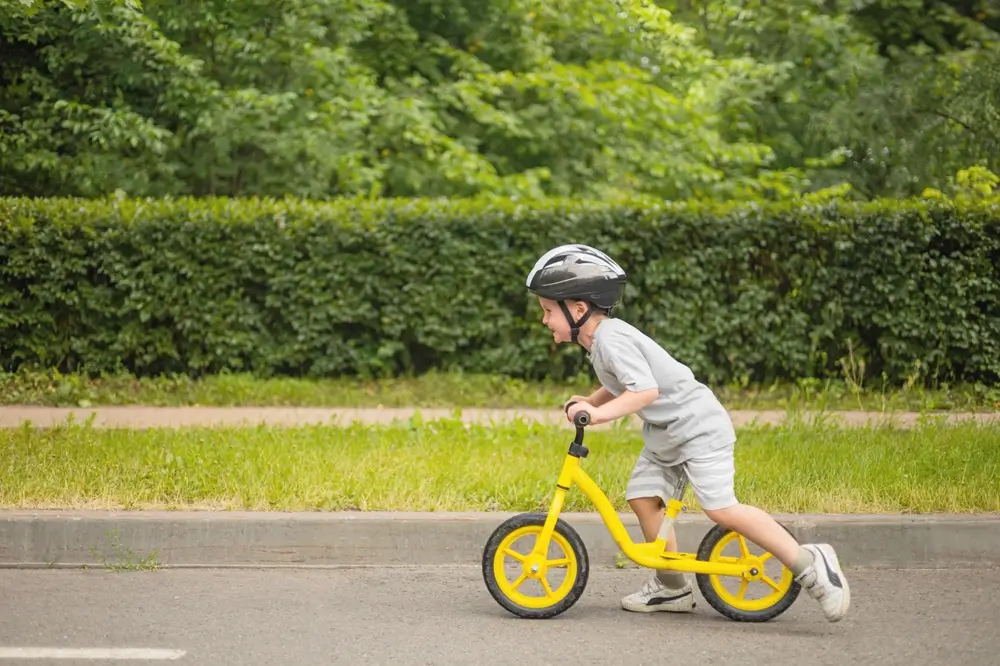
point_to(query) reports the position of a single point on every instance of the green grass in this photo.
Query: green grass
(456, 390)
(444, 465)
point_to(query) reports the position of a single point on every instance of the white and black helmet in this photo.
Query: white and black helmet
(578, 273)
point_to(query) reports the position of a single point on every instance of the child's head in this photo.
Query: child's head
(573, 282)
(558, 320)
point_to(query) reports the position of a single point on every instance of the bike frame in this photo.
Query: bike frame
(648, 554)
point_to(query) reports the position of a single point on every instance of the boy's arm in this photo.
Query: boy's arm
(632, 370)
(627, 403)
(595, 399)
(600, 396)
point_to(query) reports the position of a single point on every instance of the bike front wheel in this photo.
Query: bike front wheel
(529, 585)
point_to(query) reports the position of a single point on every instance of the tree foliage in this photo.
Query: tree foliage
(508, 98)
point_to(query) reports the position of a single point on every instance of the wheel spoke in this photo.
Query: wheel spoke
(770, 582)
(743, 589)
(513, 553)
(520, 579)
(562, 562)
(743, 546)
(765, 557)
(548, 589)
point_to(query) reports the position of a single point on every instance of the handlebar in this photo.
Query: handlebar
(581, 419)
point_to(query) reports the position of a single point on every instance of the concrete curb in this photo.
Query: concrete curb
(54, 538)
(143, 416)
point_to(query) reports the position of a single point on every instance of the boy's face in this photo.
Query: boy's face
(554, 318)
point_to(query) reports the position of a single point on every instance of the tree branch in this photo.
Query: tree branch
(942, 114)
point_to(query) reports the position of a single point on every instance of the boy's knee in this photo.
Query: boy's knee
(646, 504)
(722, 517)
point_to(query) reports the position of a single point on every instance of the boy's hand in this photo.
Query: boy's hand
(577, 398)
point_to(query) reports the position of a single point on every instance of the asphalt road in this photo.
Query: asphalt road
(445, 616)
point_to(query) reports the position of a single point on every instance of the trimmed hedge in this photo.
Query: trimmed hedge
(401, 286)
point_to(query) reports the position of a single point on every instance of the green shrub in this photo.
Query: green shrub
(401, 286)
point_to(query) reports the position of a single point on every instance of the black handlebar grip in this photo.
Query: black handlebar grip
(581, 418)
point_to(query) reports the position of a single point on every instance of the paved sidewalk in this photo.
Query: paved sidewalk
(69, 538)
(137, 416)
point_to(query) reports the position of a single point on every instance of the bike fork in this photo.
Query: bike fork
(555, 507)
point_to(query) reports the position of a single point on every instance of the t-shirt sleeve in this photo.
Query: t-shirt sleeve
(624, 360)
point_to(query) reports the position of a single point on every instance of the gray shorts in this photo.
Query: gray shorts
(711, 477)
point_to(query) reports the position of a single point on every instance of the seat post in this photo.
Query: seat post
(674, 506)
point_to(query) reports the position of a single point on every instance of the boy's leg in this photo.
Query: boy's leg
(649, 511)
(815, 566)
(648, 490)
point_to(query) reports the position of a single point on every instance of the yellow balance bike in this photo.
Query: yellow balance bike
(533, 567)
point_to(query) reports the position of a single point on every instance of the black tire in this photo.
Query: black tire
(579, 552)
(708, 543)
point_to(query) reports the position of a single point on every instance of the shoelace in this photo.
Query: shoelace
(652, 586)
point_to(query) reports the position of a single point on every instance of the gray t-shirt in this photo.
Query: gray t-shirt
(686, 420)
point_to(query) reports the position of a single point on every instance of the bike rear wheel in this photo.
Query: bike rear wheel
(780, 588)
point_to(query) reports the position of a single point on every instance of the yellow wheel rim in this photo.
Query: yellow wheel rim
(776, 589)
(528, 562)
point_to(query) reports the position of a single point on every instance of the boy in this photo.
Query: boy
(683, 425)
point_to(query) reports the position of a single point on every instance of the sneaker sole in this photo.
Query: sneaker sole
(661, 608)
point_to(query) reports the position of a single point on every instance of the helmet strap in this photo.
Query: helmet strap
(574, 326)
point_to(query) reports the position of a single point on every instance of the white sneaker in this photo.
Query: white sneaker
(825, 581)
(655, 596)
